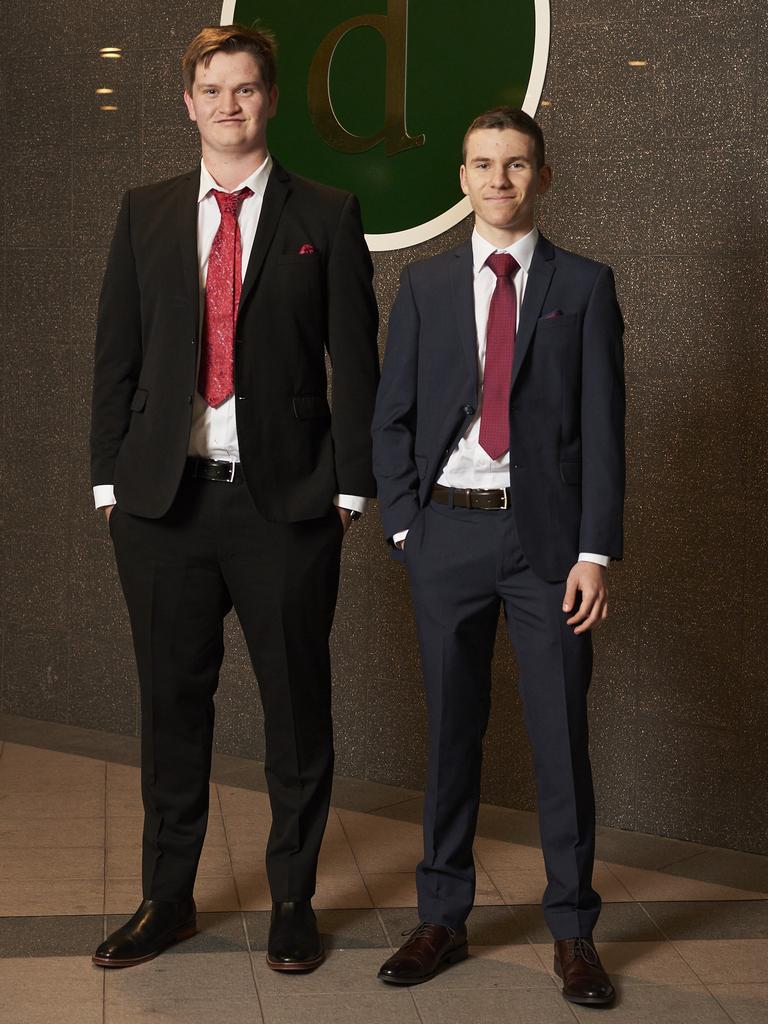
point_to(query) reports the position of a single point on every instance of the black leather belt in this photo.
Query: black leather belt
(214, 469)
(470, 497)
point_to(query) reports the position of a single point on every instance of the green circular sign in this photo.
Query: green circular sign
(375, 96)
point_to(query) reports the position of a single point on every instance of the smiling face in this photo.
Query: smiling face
(501, 176)
(231, 105)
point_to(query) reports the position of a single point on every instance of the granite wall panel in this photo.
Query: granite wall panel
(659, 171)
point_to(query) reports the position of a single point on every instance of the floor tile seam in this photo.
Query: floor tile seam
(690, 966)
(228, 845)
(681, 860)
(630, 897)
(250, 951)
(653, 921)
(384, 807)
(384, 932)
(713, 995)
(359, 870)
(415, 1005)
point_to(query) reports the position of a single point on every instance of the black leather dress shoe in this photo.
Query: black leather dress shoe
(155, 926)
(294, 942)
(429, 949)
(584, 978)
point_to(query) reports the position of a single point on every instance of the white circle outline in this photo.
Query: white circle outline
(445, 221)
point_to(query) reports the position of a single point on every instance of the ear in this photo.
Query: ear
(190, 106)
(545, 179)
(274, 96)
(463, 179)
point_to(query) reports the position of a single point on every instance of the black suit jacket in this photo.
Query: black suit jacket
(566, 407)
(296, 450)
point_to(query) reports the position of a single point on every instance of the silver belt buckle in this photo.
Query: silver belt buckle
(505, 499)
(233, 468)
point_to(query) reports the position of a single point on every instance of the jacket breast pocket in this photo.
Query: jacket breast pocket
(547, 324)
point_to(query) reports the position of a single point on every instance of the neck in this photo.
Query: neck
(230, 169)
(502, 238)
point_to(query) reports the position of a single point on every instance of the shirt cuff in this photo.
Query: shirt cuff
(397, 537)
(104, 494)
(350, 502)
(586, 556)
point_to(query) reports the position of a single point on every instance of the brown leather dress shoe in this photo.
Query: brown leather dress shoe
(584, 979)
(430, 947)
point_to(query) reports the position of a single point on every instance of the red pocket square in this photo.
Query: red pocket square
(553, 314)
(307, 250)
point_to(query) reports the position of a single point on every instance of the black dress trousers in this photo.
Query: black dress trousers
(181, 575)
(463, 564)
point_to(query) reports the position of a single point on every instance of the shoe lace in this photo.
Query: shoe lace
(585, 950)
(422, 928)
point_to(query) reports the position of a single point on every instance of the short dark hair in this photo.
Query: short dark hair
(260, 43)
(510, 117)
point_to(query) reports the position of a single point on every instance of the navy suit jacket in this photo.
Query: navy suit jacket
(566, 406)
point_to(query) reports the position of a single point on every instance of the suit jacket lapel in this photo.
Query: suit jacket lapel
(186, 223)
(463, 296)
(277, 191)
(539, 279)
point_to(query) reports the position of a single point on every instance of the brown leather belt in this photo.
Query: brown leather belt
(214, 469)
(468, 497)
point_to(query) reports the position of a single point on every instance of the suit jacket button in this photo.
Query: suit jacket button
(189, 399)
(469, 409)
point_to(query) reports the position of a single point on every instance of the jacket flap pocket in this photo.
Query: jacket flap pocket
(308, 407)
(139, 400)
(570, 472)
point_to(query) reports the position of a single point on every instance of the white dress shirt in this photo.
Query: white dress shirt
(468, 465)
(214, 431)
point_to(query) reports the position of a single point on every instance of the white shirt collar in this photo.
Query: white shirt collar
(522, 250)
(256, 182)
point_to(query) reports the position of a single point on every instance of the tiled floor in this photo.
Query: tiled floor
(684, 929)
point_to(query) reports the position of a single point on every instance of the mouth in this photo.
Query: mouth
(231, 120)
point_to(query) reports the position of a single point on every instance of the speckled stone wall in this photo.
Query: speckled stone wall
(661, 172)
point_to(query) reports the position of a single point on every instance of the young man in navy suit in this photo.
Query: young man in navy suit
(228, 479)
(499, 458)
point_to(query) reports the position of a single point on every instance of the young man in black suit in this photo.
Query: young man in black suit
(499, 458)
(227, 478)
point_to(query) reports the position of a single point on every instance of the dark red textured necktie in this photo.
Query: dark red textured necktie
(499, 354)
(222, 296)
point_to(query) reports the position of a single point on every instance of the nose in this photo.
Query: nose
(500, 178)
(229, 103)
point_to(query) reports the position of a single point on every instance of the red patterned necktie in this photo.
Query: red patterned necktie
(499, 353)
(222, 296)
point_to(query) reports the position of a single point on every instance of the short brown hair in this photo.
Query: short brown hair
(510, 117)
(260, 43)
